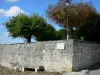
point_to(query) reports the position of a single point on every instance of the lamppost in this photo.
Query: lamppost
(67, 4)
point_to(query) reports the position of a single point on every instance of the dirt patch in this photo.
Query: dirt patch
(6, 71)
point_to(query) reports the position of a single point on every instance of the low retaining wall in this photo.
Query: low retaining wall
(33, 55)
(55, 56)
(85, 54)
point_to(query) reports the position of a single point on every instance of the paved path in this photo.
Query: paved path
(94, 72)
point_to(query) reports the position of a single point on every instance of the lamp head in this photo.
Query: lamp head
(67, 3)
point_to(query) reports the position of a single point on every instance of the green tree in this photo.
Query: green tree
(90, 30)
(49, 33)
(20, 26)
(62, 34)
(74, 15)
(26, 27)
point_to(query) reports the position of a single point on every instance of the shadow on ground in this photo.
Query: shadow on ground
(94, 67)
(6, 71)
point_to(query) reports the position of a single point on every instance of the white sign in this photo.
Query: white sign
(60, 45)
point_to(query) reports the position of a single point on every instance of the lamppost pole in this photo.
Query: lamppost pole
(67, 23)
(67, 3)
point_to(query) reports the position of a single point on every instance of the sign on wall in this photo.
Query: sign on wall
(60, 45)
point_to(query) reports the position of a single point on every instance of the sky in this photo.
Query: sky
(9, 8)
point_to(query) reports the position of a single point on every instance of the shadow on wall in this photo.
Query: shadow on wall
(40, 69)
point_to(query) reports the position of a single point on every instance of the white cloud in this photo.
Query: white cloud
(13, 11)
(11, 0)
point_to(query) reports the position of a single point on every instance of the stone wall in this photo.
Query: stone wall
(73, 54)
(33, 55)
(85, 54)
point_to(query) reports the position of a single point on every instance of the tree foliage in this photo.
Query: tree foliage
(49, 33)
(90, 30)
(68, 17)
(19, 26)
(62, 34)
(78, 13)
(26, 27)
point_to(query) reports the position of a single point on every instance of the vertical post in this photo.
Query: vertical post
(67, 3)
(67, 23)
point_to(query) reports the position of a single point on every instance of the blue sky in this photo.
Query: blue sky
(9, 8)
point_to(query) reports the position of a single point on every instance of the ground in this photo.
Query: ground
(6, 71)
(92, 70)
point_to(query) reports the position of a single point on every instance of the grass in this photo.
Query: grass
(6, 71)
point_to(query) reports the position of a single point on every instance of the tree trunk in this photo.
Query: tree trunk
(28, 39)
